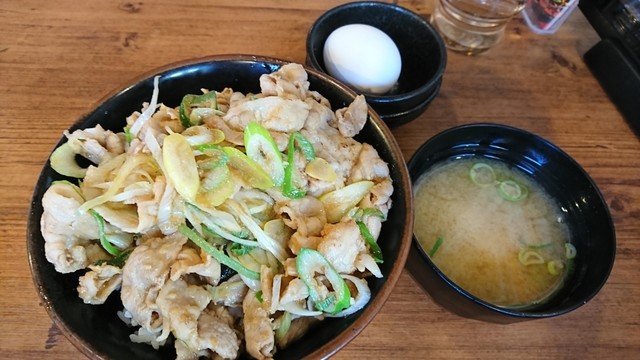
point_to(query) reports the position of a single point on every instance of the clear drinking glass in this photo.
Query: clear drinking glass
(473, 26)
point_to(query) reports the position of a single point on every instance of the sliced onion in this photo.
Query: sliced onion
(265, 241)
(275, 293)
(146, 114)
(154, 147)
(251, 283)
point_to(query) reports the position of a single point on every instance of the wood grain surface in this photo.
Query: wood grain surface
(58, 58)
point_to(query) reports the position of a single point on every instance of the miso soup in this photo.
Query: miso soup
(493, 231)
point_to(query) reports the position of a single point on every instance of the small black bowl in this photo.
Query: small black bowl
(96, 330)
(424, 56)
(588, 217)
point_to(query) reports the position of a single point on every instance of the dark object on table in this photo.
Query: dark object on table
(615, 60)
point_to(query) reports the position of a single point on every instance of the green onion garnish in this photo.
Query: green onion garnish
(512, 191)
(376, 253)
(103, 237)
(482, 174)
(436, 246)
(570, 251)
(217, 254)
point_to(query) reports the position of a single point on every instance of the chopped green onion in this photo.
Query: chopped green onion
(360, 213)
(261, 148)
(283, 324)
(220, 256)
(530, 257)
(324, 304)
(304, 145)
(259, 296)
(189, 102)
(482, 174)
(554, 267)
(436, 246)
(310, 261)
(373, 245)
(288, 187)
(101, 234)
(215, 156)
(512, 191)
(240, 249)
(540, 246)
(127, 134)
(570, 251)
(118, 260)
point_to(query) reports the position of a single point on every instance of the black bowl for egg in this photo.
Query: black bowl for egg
(96, 330)
(424, 56)
(563, 179)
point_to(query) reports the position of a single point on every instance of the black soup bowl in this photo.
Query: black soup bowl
(587, 216)
(96, 330)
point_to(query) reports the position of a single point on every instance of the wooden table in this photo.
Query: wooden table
(58, 58)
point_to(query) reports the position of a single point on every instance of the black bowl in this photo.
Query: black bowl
(587, 215)
(424, 56)
(96, 330)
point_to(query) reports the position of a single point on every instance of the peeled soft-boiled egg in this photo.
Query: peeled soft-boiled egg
(364, 57)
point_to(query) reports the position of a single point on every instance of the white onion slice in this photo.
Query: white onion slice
(146, 114)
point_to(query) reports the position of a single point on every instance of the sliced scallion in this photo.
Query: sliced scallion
(539, 246)
(482, 174)
(530, 257)
(261, 148)
(570, 251)
(240, 249)
(362, 212)
(102, 235)
(189, 102)
(283, 324)
(436, 246)
(512, 191)
(376, 253)
(554, 267)
(117, 261)
(289, 188)
(310, 261)
(217, 254)
(127, 134)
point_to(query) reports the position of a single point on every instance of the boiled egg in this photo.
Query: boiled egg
(363, 57)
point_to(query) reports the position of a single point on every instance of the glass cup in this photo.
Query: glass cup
(473, 26)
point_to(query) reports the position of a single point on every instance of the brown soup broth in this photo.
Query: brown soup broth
(497, 248)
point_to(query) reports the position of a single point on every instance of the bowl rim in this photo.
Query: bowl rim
(392, 119)
(516, 313)
(364, 317)
(377, 99)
